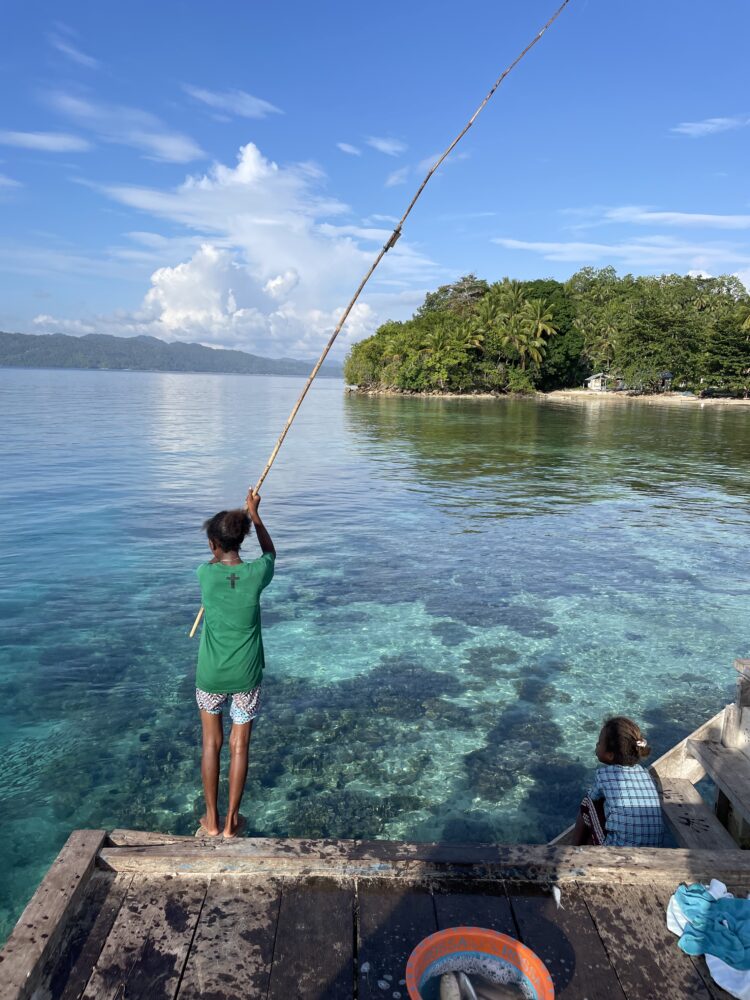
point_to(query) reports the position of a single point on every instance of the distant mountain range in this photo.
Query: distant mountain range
(101, 351)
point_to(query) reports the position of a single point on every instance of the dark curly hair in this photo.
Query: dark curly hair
(228, 529)
(624, 739)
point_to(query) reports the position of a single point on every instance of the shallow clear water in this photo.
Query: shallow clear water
(463, 590)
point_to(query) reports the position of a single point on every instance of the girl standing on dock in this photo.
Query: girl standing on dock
(230, 658)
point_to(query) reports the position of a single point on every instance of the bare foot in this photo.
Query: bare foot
(234, 825)
(212, 829)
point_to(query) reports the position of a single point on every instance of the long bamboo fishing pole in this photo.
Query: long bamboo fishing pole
(391, 242)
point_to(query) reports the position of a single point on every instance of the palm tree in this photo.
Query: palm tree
(487, 316)
(436, 342)
(539, 318)
(527, 331)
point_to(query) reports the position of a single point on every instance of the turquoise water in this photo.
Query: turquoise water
(463, 590)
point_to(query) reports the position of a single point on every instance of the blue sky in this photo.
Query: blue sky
(225, 173)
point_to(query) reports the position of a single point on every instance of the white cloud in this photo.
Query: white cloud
(376, 217)
(275, 265)
(72, 52)
(8, 182)
(47, 142)
(280, 286)
(51, 324)
(234, 102)
(215, 300)
(429, 161)
(655, 253)
(397, 177)
(346, 147)
(709, 126)
(645, 216)
(128, 127)
(391, 147)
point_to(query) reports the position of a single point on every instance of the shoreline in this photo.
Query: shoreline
(560, 395)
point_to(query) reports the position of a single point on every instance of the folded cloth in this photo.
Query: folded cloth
(699, 901)
(720, 927)
(593, 819)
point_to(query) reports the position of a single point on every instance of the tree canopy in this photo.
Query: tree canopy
(518, 336)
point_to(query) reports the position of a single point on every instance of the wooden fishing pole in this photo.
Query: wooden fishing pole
(391, 242)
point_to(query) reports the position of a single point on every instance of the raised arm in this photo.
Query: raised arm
(264, 539)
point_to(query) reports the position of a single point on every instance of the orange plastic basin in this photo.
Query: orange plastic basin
(429, 958)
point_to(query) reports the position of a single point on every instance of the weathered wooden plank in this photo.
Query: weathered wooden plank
(147, 947)
(568, 943)
(535, 863)
(631, 924)
(81, 946)
(36, 936)
(677, 762)
(143, 838)
(689, 818)
(392, 921)
(662, 895)
(478, 904)
(314, 954)
(730, 770)
(232, 949)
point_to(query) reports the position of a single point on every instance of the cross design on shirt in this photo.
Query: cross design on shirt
(233, 578)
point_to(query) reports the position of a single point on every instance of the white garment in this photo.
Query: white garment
(734, 981)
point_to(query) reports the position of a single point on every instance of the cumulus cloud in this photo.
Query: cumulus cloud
(280, 286)
(346, 147)
(46, 142)
(709, 126)
(391, 147)
(128, 127)
(233, 102)
(215, 300)
(271, 261)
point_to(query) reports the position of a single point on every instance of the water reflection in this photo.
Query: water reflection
(520, 457)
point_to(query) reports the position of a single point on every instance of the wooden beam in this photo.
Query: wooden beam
(693, 824)
(40, 927)
(677, 762)
(730, 770)
(416, 862)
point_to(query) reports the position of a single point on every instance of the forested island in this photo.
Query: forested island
(690, 333)
(101, 351)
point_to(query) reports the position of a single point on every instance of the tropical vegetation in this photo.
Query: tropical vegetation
(521, 336)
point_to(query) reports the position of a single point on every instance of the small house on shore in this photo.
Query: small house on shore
(601, 382)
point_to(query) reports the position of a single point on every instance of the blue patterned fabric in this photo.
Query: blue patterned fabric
(632, 809)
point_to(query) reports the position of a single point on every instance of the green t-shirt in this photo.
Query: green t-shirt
(230, 657)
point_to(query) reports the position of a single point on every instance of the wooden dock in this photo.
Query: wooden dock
(134, 915)
(126, 914)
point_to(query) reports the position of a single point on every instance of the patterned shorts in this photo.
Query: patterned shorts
(244, 707)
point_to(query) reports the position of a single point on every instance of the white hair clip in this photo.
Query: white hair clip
(640, 743)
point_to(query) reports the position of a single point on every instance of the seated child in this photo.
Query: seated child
(622, 809)
(230, 658)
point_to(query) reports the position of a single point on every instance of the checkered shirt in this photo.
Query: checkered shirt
(631, 806)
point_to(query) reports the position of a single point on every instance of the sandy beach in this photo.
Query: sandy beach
(668, 398)
(563, 396)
